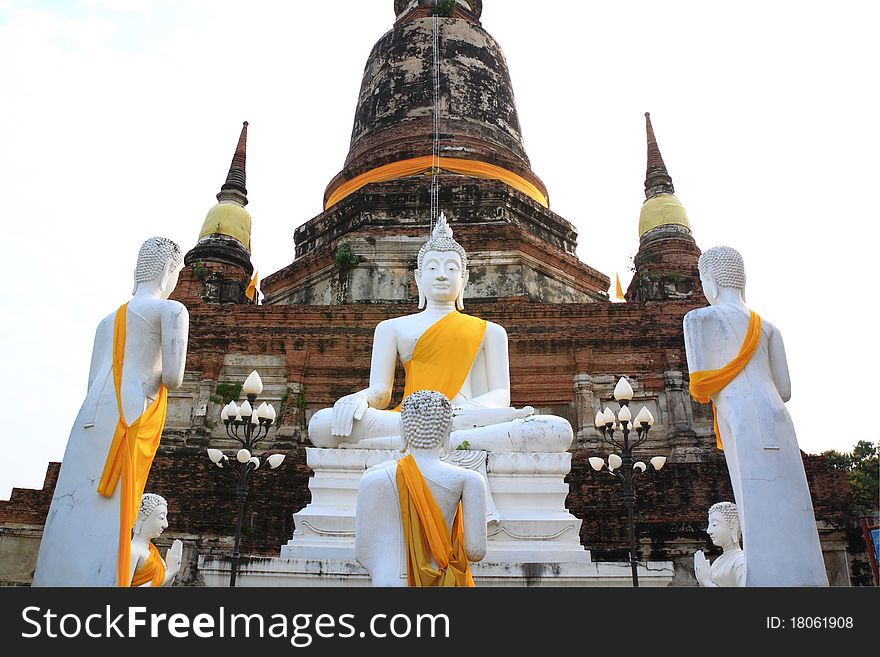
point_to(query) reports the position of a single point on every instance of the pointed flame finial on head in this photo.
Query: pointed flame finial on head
(442, 229)
(442, 240)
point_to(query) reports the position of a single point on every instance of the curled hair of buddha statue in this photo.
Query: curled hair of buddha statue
(728, 512)
(149, 503)
(725, 264)
(154, 254)
(426, 418)
(441, 240)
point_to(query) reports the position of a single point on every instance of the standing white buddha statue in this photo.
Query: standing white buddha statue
(730, 568)
(442, 349)
(420, 520)
(139, 354)
(738, 361)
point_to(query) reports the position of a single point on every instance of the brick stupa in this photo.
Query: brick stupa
(311, 338)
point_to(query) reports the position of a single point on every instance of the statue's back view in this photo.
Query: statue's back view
(727, 341)
(81, 536)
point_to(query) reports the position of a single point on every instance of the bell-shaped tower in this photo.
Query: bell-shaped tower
(436, 99)
(218, 268)
(666, 263)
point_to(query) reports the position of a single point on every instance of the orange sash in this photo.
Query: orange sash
(710, 382)
(131, 453)
(425, 533)
(152, 571)
(424, 164)
(444, 355)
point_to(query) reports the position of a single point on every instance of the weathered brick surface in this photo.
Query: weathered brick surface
(394, 116)
(666, 268)
(671, 506)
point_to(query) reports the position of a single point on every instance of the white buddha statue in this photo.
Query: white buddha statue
(441, 349)
(138, 355)
(730, 568)
(737, 361)
(405, 508)
(147, 566)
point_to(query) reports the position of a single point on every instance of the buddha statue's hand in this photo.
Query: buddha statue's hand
(345, 411)
(173, 559)
(702, 571)
(468, 417)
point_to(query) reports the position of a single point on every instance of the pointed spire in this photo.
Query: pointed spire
(657, 178)
(234, 190)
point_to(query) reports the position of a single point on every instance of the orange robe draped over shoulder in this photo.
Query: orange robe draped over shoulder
(131, 453)
(710, 382)
(426, 535)
(153, 570)
(444, 354)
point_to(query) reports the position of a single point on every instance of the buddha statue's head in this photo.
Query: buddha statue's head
(441, 274)
(159, 262)
(721, 267)
(152, 518)
(723, 526)
(426, 420)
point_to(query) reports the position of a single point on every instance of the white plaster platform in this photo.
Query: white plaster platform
(529, 490)
(275, 571)
(534, 541)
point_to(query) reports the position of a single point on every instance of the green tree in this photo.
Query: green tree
(863, 467)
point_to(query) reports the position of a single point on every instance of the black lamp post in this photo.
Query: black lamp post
(624, 466)
(248, 426)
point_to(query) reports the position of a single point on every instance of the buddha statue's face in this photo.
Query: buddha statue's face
(719, 530)
(442, 277)
(156, 523)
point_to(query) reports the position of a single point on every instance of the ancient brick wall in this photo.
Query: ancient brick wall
(671, 510)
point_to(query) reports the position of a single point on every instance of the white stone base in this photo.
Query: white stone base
(270, 571)
(534, 542)
(529, 490)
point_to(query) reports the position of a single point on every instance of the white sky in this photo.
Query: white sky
(120, 118)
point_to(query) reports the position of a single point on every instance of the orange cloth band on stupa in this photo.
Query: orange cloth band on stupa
(426, 535)
(710, 382)
(131, 453)
(417, 165)
(153, 570)
(444, 355)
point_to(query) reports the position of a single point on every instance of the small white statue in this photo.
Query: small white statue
(139, 354)
(730, 568)
(738, 361)
(445, 350)
(147, 566)
(405, 508)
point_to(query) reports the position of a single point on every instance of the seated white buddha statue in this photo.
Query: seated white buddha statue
(730, 568)
(419, 515)
(148, 568)
(441, 349)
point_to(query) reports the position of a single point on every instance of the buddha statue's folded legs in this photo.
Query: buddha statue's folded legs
(379, 429)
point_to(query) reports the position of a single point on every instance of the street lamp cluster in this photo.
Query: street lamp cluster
(247, 426)
(623, 466)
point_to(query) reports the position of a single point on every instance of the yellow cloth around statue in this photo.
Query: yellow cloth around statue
(153, 570)
(424, 164)
(710, 382)
(425, 533)
(131, 453)
(444, 354)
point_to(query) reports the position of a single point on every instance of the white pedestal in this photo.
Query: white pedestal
(535, 542)
(529, 490)
(269, 571)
